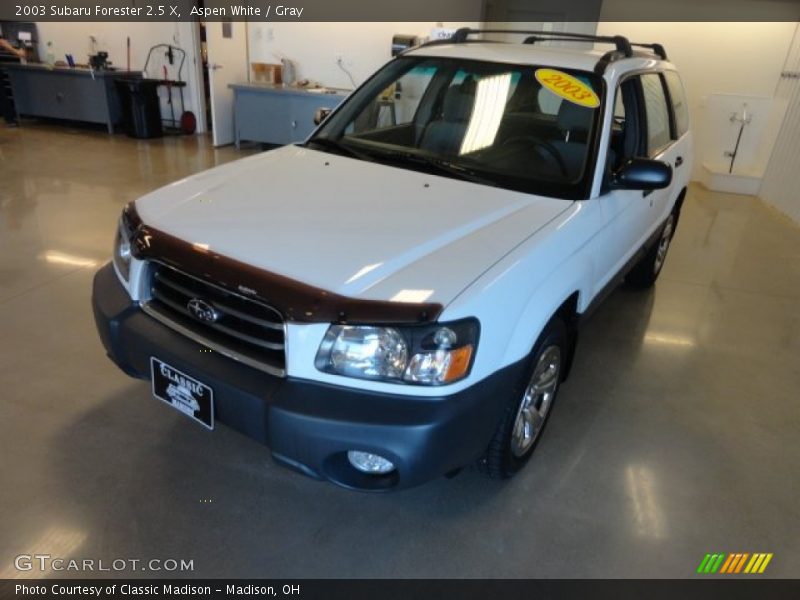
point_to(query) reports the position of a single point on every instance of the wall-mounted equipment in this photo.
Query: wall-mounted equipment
(402, 42)
(743, 119)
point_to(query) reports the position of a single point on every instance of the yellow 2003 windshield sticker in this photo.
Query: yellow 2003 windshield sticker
(568, 87)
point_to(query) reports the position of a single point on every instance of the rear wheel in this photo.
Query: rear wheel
(646, 271)
(527, 412)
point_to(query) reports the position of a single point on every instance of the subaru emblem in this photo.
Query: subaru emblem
(202, 311)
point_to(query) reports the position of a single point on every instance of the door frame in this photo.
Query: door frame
(199, 91)
(245, 23)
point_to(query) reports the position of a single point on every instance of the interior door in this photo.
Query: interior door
(227, 63)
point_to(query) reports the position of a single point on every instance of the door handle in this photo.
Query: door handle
(678, 162)
(215, 66)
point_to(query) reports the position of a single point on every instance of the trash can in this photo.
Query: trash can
(141, 109)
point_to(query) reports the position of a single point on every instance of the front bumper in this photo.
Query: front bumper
(310, 426)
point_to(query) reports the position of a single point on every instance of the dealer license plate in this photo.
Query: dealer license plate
(182, 392)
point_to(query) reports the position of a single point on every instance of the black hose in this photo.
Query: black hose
(736, 148)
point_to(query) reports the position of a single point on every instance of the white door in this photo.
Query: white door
(779, 186)
(227, 63)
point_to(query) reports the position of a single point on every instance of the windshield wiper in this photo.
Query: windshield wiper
(442, 166)
(340, 147)
(439, 165)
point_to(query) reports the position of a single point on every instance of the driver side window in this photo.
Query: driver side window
(626, 130)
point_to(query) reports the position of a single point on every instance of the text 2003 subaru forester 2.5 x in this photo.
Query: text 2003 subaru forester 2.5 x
(399, 296)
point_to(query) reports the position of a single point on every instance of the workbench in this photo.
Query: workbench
(73, 93)
(278, 114)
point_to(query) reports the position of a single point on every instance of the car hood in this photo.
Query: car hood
(356, 228)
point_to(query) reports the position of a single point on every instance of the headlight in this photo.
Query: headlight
(424, 355)
(122, 250)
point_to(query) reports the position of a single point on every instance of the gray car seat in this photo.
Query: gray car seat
(574, 121)
(445, 135)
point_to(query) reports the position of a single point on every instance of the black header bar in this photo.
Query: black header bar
(402, 589)
(474, 11)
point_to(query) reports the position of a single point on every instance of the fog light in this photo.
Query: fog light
(372, 464)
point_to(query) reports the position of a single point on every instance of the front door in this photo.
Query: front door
(660, 145)
(626, 213)
(227, 63)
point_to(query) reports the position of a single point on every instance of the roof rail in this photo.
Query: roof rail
(621, 42)
(623, 45)
(657, 49)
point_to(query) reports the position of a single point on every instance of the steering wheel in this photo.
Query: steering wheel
(547, 146)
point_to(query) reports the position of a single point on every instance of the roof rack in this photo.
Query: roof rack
(623, 45)
(657, 49)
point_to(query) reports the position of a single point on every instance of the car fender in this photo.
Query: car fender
(516, 298)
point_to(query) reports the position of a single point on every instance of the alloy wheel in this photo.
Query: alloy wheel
(536, 401)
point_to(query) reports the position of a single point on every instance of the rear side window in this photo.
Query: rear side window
(658, 134)
(678, 97)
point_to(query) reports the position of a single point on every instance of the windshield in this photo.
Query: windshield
(519, 127)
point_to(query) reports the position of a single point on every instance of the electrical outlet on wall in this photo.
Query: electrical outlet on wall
(343, 61)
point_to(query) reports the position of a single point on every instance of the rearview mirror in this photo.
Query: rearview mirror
(642, 174)
(321, 114)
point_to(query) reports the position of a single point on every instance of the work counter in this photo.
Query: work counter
(77, 94)
(278, 114)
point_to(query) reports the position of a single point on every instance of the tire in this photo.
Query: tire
(520, 428)
(646, 271)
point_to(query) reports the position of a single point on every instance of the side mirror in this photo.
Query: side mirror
(642, 174)
(321, 114)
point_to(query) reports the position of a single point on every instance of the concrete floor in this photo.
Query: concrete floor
(678, 433)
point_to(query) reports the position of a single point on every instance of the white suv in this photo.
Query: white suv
(400, 296)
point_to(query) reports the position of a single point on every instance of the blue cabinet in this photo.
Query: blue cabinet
(275, 114)
(66, 93)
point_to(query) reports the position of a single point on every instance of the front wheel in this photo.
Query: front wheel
(527, 412)
(646, 271)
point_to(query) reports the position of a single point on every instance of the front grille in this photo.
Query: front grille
(244, 329)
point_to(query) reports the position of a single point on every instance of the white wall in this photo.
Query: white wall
(742, 59)
(73, 38)
(313, 47)
(779, 186)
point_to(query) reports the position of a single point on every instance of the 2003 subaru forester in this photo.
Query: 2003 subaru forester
(399, 296)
